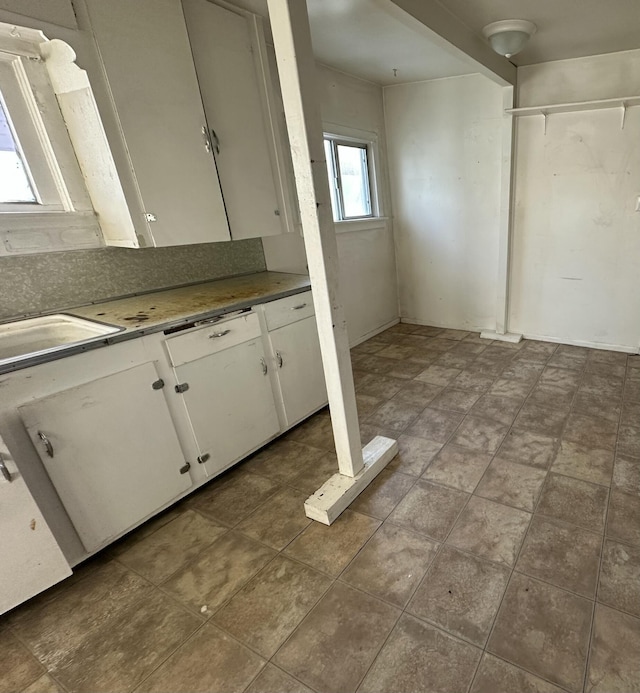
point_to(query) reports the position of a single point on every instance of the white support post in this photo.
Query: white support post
(297, 71)
(504, 243)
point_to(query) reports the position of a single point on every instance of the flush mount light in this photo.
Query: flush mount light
(509, 36)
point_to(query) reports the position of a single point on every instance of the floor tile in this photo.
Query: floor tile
(455, 400)
(559, 360)
(560, 379)
(614, 666)
(453, 359)
(595, 405)
(480, 434)
(168, 549)
(316, 431)
(561, 554)
(512, 484)
(45, 684)
(458, 467)
(473, 381)
(584, 462)
(529, 448)
(20, 668)
(279, 521)
(76, 611)
(418, 657)
(396, 351)
(283, 460)
(435, 425)
(457, 335)
(438, 375)
(314, 475)
(379, 386)
(366, 405)
(497, 676)
(544, 630)
(210, 662)
(428, 331)
(603, 386)
(620, 577)
(542, 419)
(344, 632)
(575, 501)
(122, 652)
(626, 475)
(392, 564)
(417, 394)
(218, 572)
(525, 371)
(330, 549)
(414, 455)
(228, 502)
(591, 431)
(632, 391)
(274, 680)
(629, 439)
(394, 415)
(369, 431)
(508, 387)
(383, 494)
(498, 408)
(429, 509)
(490, 530)
(461, 594)
(623, 522)
(270, 606)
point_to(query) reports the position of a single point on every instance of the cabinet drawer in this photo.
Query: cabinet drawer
(210, 339)
(287, 310)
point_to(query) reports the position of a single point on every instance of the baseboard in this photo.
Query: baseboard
(583, 343)
(373, 333)
(415, 321)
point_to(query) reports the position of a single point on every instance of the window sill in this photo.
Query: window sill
(361, 224)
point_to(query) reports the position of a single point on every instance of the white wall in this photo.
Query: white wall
(576, 236)
(367, 260)
(445, 146)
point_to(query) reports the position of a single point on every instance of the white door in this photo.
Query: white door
(296, 352)
(230, 403)
(31, 559)
(111, 451)
(147, 59)
(233, 100)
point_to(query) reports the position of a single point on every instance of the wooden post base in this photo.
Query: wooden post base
(506, 337)
(335, 495)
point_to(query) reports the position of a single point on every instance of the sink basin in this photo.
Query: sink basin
(34, 336)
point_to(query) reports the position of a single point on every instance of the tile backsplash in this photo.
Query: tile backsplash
(54, 281)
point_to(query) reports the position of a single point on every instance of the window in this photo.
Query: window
(351, 179)
(58, 185)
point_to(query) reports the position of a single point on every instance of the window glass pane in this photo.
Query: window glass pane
(14, 181)
(355, 181)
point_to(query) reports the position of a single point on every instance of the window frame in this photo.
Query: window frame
(336, 135)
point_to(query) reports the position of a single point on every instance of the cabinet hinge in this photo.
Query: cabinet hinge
(158, 384)
(150, 217)
(185, 468)
(203, 458)
(182, 387)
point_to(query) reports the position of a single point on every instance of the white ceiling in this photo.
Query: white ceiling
(369, 38)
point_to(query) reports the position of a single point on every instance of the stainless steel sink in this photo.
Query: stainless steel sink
(25, 338)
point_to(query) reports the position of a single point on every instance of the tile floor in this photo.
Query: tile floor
(498, 553)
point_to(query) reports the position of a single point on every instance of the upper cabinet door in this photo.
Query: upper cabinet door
(147, 60)
(228, 51)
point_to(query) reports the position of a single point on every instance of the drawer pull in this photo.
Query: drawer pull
(279, 359)
(300, 307)
(219, 334)
(47, 443)
(265, 369)
(5, 472)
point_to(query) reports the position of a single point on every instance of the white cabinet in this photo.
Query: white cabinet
(147, 60)
(31, 558)
(295, 355)
(111, 451)
(222, 375)
(234, 75)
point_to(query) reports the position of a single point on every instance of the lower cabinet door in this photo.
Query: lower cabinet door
(31, 558)
(297, 357)
(111, 451)
(230, 403)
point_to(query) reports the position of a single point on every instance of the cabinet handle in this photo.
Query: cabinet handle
(216, 141)
(265, 369)
(214, 335)
(279, 359)
(207, 141)
(47, 443)
(5, 472)
(300, 307)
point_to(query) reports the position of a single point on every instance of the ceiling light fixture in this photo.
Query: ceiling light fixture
(508, 36)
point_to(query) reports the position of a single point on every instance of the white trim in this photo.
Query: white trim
(364, 224)
(583, 343)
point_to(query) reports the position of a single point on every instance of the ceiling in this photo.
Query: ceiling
(371, 38)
